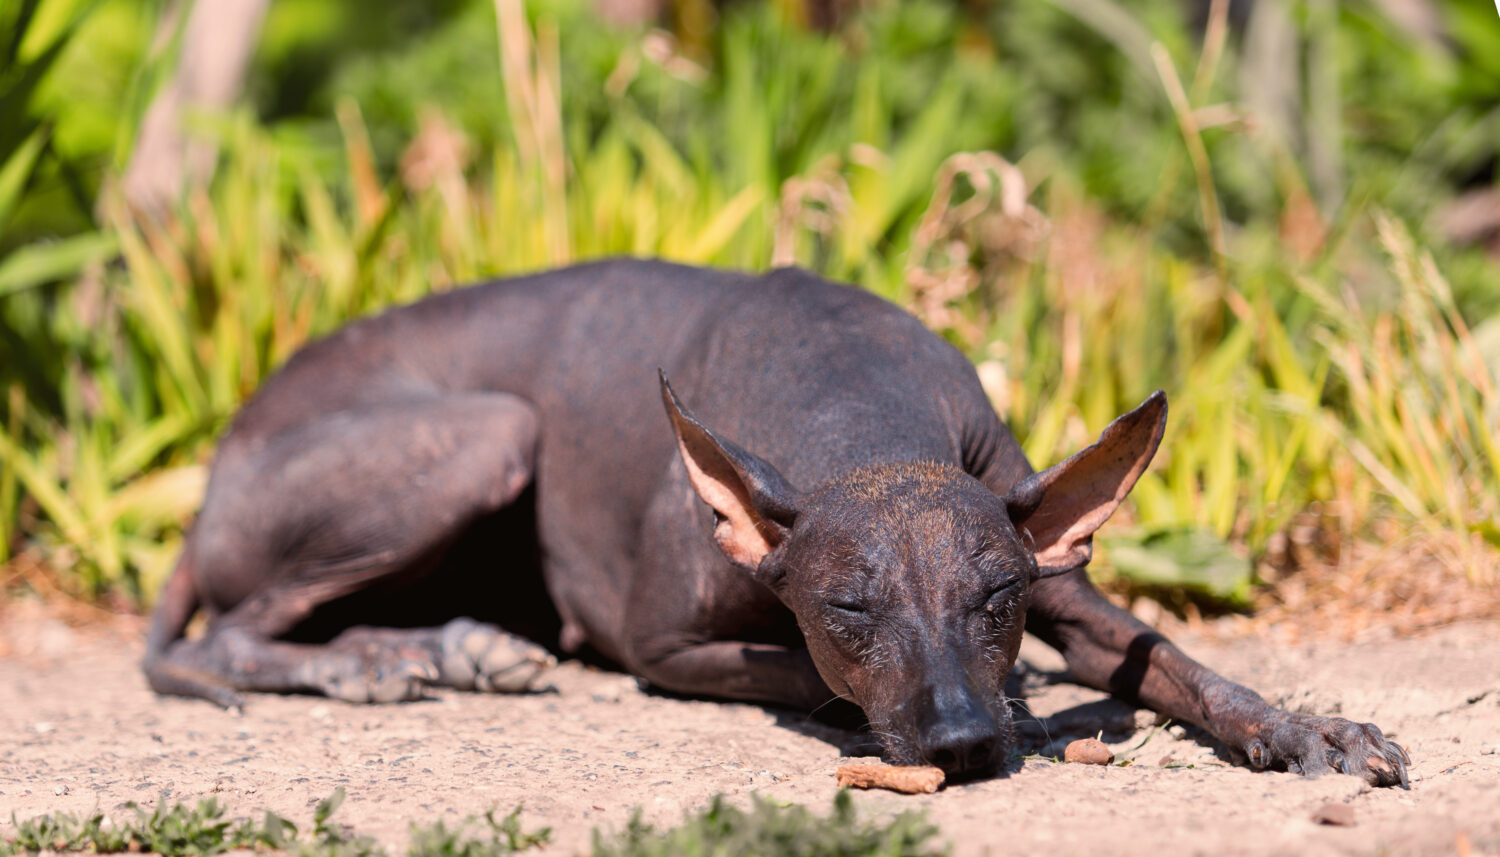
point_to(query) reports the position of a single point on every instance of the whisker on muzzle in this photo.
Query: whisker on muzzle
(827, 702)
(1014, 706)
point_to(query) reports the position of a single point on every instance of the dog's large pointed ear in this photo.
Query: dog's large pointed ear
(754, 506)
(1061, 507)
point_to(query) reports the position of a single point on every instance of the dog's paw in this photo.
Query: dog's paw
(1313, 746)
(371, 679)
(484, 658)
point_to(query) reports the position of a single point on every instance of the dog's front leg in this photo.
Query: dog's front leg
(753, 672)
(1111, 650)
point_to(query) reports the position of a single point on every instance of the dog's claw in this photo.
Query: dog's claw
(228, 699)
(1405, 759)
(1255, 751)
(1395, 754)
(1339, 762)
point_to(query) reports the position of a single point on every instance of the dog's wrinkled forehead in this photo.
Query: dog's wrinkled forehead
(909, 507)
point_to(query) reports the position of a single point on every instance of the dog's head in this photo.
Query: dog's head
(910, 580)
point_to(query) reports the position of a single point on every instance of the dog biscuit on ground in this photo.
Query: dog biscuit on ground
(912, 780)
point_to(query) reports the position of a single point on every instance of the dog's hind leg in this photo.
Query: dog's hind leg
(371, 664)
(327, 508)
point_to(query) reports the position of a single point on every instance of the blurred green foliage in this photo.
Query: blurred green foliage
(725, 830)
(1094, 198)
(721, 829)
(180, 830)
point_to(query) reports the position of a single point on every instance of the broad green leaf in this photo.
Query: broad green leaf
(1182, 557)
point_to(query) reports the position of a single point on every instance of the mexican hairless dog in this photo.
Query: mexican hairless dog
(829, 507)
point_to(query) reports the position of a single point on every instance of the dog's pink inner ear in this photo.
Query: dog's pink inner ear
(753, 505)
(1079, 495)
(742, 535)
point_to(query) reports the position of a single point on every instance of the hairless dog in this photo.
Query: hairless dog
(830, 508)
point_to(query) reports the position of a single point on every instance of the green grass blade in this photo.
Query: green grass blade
(49, 494)
(48, 262)
(16, 171)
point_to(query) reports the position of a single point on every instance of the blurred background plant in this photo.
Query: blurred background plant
(1283, 212)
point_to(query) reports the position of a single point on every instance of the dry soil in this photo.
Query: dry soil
(79, 731)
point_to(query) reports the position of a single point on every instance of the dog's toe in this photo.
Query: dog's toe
(375, 680)
(1313, 746)
(482, 657)
(227, 699)
(1369, 755)
(401, 682)
(1393, 771)
(511, 665)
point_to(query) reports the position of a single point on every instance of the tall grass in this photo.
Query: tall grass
(1340, 385)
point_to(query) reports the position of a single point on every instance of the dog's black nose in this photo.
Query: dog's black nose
(955, 731)
(961, 748)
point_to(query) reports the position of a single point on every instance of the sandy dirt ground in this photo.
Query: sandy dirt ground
(79, 731)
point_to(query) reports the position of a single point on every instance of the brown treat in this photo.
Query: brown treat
(1088, 751)
(910, 780)
(1336, 814)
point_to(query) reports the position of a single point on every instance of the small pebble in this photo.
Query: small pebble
(1088, 751)
(1335, 814)
(59, 790)
(1165, 761)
